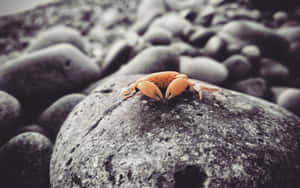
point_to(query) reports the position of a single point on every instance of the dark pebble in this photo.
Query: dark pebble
(25, 160)
(238, 66)
(54, 116)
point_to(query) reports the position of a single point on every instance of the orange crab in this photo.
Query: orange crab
(174, 83)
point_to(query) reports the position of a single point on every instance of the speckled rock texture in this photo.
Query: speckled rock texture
(227, 140)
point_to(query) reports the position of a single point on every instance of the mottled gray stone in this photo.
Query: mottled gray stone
(227, 140)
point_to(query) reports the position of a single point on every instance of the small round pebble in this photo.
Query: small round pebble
(10, 112)
(32, 128)
(290, 99)
(200, 37)
(158, 36)
(238, 66)
(117, 55)
(173, 23)
(204, 68)
(152, 59)
(273, 71)
(25, 160)
(244, 32)
(215, 47)
(185, 49)
(251, 51)
(57, 35)
(54, 116)
(280, 17)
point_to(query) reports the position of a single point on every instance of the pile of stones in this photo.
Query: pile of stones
(233, 45)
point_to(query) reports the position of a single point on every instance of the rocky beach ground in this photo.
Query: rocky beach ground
(63, 122)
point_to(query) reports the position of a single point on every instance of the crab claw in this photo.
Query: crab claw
(176, 87)
(150, 89)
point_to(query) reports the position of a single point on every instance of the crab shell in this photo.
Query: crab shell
(174, 82)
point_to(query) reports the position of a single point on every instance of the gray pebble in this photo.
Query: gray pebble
(273, 71)
(204, 68)
(252, 52)
(57, 35)
(53, 117)
(173, 23)
(200, 37)
(10, 113)
(152, 59)
(118, 54)
(215, 47)
(24, 161)
(245, 33)
(238, 66)
(48, 72)
(288, 98)
(158, 36)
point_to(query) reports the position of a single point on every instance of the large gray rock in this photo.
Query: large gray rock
(226, 140)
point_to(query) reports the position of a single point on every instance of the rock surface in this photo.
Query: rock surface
(226, 140)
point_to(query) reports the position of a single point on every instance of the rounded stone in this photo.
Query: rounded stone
(57, 35)
(32, 128)
(206, 16)
(252, 52)
(204, 68)
(10, 113)
(238, 66)
(226, 139)
(185, 49)
(148, 8)
(256, 87)
(53, 117)
(280, 17)
(200, 37)
(292, 34)
(215, 47)
(273, 71)
(142, 24)
(46, 73)
(152, 59)
(173, 23)
(24, 161)
(118, 55)
(289, 98)
(183, 5)
(158, 36)
(245, 33)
